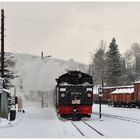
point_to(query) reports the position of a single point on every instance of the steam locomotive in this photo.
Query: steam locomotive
(74, 95)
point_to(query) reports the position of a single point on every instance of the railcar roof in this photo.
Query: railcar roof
(123, 91)
(127, 86)
(137, 82)
(76, 85)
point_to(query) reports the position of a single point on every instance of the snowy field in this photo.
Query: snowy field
(126, 112)
(44, 123)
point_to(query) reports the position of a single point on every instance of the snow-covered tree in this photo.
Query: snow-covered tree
(136, 51)
(113, 65)
(128, 77)
(98, 64)
(8, 71)
(132, 60)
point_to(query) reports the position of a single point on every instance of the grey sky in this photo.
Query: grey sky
(70, 30)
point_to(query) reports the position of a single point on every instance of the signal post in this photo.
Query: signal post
(100, 92)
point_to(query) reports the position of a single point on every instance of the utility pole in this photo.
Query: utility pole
(2, 43)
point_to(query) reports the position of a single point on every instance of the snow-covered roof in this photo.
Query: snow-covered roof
(123, 91)
(126, 86)
(118, 88)
(137, 82)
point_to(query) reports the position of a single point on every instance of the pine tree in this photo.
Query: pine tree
(8, 71)
(113, 65)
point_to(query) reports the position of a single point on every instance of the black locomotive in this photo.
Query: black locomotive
(74, 95)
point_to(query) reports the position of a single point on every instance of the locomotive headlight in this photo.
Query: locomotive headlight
(89, 89)
(62, 95)
(89, 94)
(62, 89)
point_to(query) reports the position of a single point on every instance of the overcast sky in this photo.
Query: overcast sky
(70, 30)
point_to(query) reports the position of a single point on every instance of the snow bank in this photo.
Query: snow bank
(3, 122)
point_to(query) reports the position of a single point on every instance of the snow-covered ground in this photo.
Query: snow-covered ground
(118, 128)
(40, 122)
(126, 112)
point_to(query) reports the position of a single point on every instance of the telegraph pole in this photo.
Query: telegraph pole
(2, 43)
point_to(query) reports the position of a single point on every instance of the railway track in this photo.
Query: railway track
(81, 127)
(133, 120)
